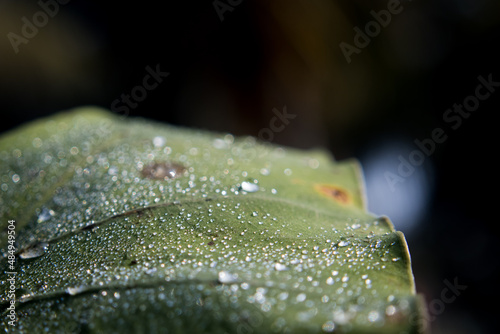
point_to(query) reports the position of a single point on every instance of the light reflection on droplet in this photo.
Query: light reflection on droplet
(45, 215)
(225, 277)
(264, 171)
(74, 290)
(249, 187)
(280, 267)
(373, 316)
(390, 310)
(159, 141)
(301, 297)
(328, 327)
(343, 243)
(34, 251)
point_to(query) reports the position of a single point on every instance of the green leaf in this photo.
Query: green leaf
(126, 225)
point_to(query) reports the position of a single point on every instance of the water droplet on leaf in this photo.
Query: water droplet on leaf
(34, 251)
(163, 170)
(159, 141)
(75, 290)
(45, 215)
(249, 187)
(280, 267)
(301, 297)
(373, 316)
(328, 327)
(219, 144)
(23, 294)
(390, 310)
(343, 243)
(225, 277)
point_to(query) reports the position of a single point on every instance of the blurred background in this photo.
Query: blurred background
(366, 95)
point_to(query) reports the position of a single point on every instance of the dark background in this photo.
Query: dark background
(228, 75)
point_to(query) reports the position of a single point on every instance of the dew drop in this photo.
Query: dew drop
(225, 277)
(74, 150)
(23, 294)
(390, 310)
(34, 251)
(16, 178)
(283, 296)
(159, 141)
(74, 290)
(17, 153)
(280, 267)
(163, 170)
(328, 327)
(340, 317)
(220, 144)
(330, 281)
(264, 171)
(301, 297)
(373, 316)
(45, 215)
(37, 142)
(249, 187)
(343, 243)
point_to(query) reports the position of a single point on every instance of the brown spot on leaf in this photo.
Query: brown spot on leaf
(163, 170)
(336, 193)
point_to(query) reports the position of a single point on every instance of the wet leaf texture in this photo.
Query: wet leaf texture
(126, 225)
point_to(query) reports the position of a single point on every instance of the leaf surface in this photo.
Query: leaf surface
(134, 226)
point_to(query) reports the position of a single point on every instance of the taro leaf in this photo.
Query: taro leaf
(130, 226)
